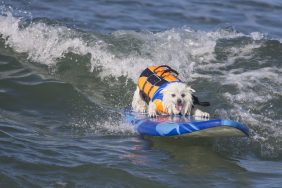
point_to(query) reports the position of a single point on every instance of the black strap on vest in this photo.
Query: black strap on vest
(144, 97)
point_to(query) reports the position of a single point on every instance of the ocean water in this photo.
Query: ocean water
(69, 68)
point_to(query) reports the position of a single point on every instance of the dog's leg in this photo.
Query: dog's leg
(138, 104)
(198, 113)
(152, 110)
(186, 110)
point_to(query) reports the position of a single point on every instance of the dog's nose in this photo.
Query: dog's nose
(179, 101)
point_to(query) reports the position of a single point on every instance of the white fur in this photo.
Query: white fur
(138, 104)
(171, 94)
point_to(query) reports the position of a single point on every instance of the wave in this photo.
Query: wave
(115, 53)
(239, 73)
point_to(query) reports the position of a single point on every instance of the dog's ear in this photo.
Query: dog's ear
(191, 89)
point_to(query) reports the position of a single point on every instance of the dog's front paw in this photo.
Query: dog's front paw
(205, 115)
(140, 108)
(152, 114)
(152, 111)
(199, 113)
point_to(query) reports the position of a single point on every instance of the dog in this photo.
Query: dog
(160, 91)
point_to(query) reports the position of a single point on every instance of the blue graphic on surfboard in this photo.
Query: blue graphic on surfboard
(187, 126)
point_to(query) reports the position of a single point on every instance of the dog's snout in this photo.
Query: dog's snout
(179, 101)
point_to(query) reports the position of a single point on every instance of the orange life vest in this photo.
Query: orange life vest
(154, 79)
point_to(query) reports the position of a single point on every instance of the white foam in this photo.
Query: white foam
(107, 127)
(42, 43)
(115, 128)
(252, 78)
(256, 88)
(257, 35)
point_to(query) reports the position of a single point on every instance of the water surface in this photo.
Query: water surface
(69, 68)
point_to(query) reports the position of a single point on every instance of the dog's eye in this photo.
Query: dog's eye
(182, 95)
(173, 95)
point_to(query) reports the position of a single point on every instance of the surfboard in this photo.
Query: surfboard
(184, 126)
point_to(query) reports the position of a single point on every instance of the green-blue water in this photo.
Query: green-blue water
(68, 69)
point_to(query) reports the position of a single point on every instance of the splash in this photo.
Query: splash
(110, 126)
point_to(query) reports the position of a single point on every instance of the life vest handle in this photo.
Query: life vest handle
(169, 69)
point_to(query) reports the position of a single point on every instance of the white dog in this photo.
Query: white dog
(170, 97)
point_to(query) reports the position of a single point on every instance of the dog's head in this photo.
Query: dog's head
(177, 98)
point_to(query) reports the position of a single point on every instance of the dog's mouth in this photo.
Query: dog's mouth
(179, 107)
